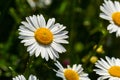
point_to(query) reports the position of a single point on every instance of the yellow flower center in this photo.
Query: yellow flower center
(71, 74)
(43, 36)
(116, 18)
(114, 71)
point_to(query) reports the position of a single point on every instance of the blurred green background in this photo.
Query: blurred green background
(88, 37)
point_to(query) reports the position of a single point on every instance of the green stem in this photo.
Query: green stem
(28, 66)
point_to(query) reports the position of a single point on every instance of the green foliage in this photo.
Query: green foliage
(85, 28)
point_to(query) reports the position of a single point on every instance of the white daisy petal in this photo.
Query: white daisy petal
(59, 74)
(101, 72)
(55, 53)
(104, 16)
(59, 48)
(50, 22)
(108, 60)
(33, 21)
(60, 37)
(55, 24)
(27, 25)
(83, 74)
(117, 5)
(33, 50)
(61, 41)
(30, 23)
(32, 77)
(100, 66)
(111, 5)
(112, 28)
(47, 57)
(57, 28)
(118, 32)
(26, 37)
(38, 50)
(62, 33)
(39, 21)
(22, 28)
(59, 66)
(25, 33)
(28, 42)
(74, 66)
(43, 52)
(107, 13)
(105, 64)
(50, 53)
(31, 47)
(34, 18)
(106, 6)
(42, 21)
(102, 78)
(79, 68)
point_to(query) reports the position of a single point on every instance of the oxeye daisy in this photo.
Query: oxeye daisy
(71, 73)
(21, 77)
(43, 38)
(111, 12)
(108, 69)
(39, 3)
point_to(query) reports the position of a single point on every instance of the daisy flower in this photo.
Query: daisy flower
(43, 38)
(71, 73)
(108, 69)
(39, 3)
(111, 12)
(21, 77)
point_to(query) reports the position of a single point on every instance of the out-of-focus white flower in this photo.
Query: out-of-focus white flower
(21, 77)
(39, 3)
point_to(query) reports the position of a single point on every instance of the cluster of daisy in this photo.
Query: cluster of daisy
(45, 38)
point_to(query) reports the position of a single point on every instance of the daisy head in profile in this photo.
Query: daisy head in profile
(111, 12)
(21, 77)
(43, 38)
(71, 73)
(108, 69)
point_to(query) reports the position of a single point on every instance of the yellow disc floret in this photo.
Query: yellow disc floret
(71, 74)
(114, 71)
(116, 18)
(43, 36)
